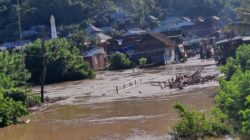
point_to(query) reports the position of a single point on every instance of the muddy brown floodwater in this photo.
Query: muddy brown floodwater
(94, 111)
(147, 118)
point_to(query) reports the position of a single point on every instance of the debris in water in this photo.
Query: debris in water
(27, 122)
(184, 80)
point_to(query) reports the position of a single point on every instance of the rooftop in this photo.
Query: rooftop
(134, 31)
(93, 52)
(103, 37)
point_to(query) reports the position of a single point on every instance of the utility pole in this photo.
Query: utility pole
(19, 23)
(44, 69)
(18, 8)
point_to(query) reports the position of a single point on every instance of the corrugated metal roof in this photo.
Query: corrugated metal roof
(103, 37)
(92, 28)
(228, 40)
(93, 52)
(134, 31)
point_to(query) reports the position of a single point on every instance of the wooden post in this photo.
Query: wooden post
(117, 90)
(43, 79)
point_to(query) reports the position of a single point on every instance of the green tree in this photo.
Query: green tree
(230, 68)
(119, 61)
(234, 98)
(64, 61)
(12, 65)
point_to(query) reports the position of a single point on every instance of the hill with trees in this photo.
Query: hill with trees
(83, 12)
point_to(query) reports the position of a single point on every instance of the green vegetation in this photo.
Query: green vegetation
(62, 60)
(119, 61)
(33, 101)
(195, 125)
(234, 95)
(11, 102)
(143, 61)
(83, 12)
(12, 65)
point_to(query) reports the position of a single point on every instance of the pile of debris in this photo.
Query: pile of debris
(184, 80)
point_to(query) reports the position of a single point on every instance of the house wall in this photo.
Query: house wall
(156, 58)
(146, 46)
(169, 55)
(97, 62)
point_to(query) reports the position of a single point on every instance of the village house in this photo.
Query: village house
(14, 46)
(92, 30)
(96, 57)
(203, 27)
(103, 40)
(175, 35)
(173, 23)
(155, 47)
(227, 48)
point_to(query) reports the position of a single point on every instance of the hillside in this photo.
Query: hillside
(82, 12)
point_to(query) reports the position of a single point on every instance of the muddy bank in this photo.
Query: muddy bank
(134, 119)
(103, 88)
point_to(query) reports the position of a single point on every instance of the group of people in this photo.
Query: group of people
(205, 52)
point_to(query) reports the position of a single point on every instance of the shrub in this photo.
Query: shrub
(34, 101)
(143, 61)
(119, 61)
(195, 125)
(10, 111)
(16, 94)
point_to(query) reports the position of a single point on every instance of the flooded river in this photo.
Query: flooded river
(94, 110)
(135, 119)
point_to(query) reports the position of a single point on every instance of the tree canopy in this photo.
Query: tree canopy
(233, 97)
(69, 12)
(63, 61)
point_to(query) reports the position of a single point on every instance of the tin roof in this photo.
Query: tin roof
(93, 52)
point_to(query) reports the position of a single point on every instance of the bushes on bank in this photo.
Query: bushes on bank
(10, 111)
(195, 125)
(33, 101)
